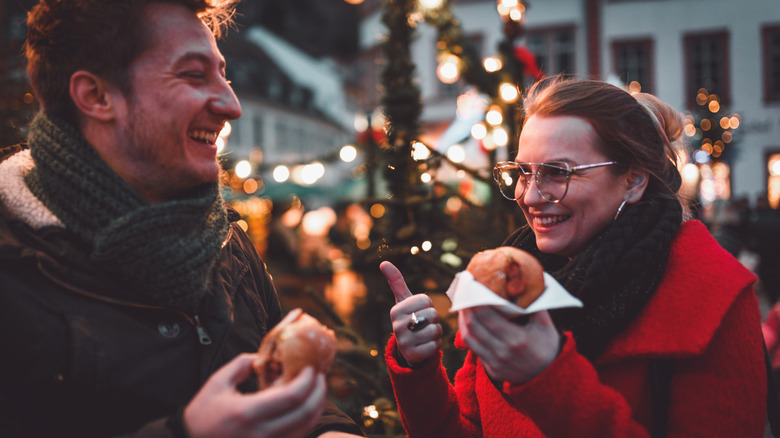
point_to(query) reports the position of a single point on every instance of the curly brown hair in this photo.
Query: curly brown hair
(103, 37)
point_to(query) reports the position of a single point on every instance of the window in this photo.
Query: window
(633, 62)
(235, 131)
(257, 131)
(770, 37)
(707, 66)
(554, 49)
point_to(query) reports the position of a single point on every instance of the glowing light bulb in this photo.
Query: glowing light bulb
(226, 130)
(508, 92)
(281, 173)
(494, 116)
(479, 131)
(456, 153)
(448, 69)
(430, 4)
(243, 169)
(420, 151)
(348, 153)
(492, 64)
(500, 136)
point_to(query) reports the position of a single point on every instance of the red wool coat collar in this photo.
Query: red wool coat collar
(679, 305)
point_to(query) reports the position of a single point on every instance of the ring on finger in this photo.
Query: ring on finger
(416, 323)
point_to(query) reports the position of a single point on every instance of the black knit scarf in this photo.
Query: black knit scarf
(615, 276)
(162, 253)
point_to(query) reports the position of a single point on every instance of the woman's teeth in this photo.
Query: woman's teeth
(549, 221)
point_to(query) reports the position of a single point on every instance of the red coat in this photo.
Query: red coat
(771, 329)
(704, 315)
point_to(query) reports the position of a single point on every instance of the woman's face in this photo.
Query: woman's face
(594, 195)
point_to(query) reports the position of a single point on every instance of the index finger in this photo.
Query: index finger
(396, 281)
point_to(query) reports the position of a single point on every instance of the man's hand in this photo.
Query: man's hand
(414, 346)
(282, 411)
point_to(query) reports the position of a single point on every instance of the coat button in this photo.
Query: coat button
(169, 329)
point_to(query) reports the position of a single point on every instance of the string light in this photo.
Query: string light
(348, 153)
(311, 173)
(512, 9)
(500, 136)
(243, 169)
(420, 151)
(494, 116)
(492, 64)
(448, 69)
(508, 92)
(281, 173)
(456, 153)
(430, 4)
(479, 131)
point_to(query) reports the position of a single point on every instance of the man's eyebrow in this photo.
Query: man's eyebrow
(198, 56)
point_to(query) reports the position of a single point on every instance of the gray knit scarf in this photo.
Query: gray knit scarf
(162, 254)
(615, 276)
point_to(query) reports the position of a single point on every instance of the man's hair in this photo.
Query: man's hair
(103, 37)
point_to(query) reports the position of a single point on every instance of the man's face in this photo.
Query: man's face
(179, 103)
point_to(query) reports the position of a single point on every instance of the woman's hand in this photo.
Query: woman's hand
(509, 351)
(415, 346)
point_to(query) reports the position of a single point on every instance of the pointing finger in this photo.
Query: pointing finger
(396, 281)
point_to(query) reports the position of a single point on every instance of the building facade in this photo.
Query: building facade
(687, 52)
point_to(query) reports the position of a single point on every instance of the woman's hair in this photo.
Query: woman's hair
(103, 37)
(636, 130)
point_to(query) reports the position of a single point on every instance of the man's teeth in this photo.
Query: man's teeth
(549, 221)
(204, 136)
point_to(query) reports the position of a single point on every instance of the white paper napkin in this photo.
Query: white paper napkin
(465, 292)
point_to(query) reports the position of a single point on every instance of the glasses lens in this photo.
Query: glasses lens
(552, 181)
(510, 179)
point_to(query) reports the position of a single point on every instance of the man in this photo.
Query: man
(130, 302)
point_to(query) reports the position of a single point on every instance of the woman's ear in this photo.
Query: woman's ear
(637, 183)
(93, 96)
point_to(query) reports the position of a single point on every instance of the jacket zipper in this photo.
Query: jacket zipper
(203, 335)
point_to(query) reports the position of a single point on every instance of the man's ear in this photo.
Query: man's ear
(637, 183)
(93, 96)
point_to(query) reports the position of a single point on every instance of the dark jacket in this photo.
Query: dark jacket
(78, 363)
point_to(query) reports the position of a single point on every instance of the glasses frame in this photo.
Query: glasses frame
(561, 165)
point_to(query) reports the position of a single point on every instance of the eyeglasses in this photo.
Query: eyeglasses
(552, 179)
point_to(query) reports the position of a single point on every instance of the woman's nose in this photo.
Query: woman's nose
(532, 195)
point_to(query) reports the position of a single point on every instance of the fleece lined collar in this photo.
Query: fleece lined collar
(17, 197)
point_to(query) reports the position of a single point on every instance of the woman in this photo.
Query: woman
(670, 319)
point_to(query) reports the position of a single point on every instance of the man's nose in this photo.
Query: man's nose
(225, 103)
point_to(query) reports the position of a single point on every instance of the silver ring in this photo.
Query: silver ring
(415, 323)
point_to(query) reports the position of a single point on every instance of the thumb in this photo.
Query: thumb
(235, 371)
(396, 281)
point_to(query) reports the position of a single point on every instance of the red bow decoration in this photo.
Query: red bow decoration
(528, 59)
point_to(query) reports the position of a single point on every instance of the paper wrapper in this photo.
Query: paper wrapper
(465, 292)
